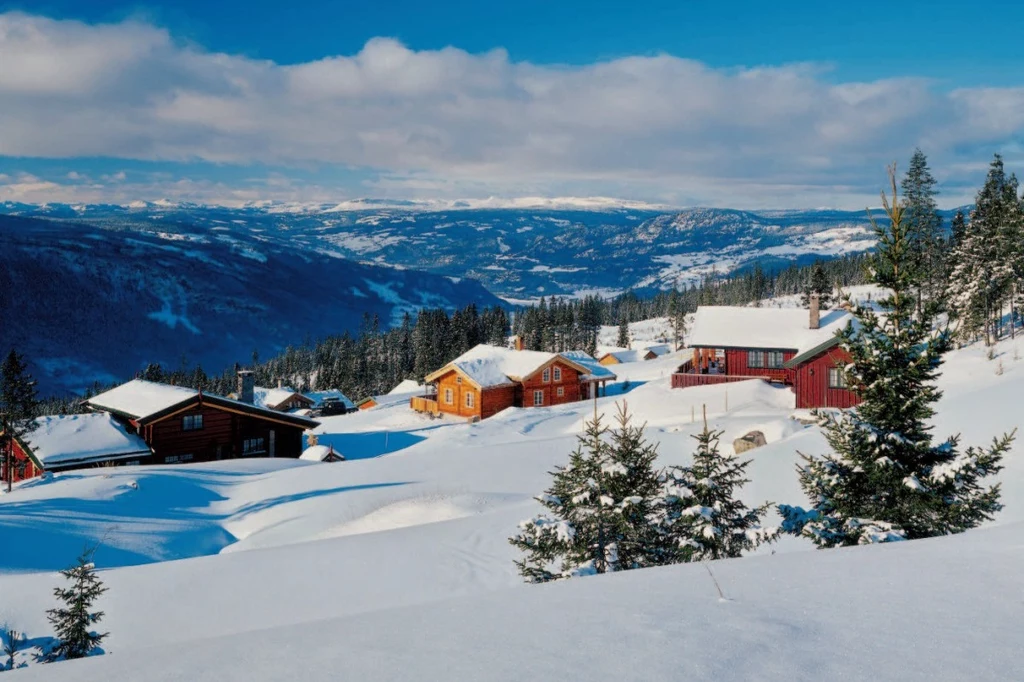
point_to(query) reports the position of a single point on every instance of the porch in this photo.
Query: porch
(425, 403)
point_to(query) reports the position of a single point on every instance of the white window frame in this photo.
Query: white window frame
(561, 391)
(558, 373)
(538, 398)
(755, 359)
(546, 375)
(449, 396)
(774, 359)
(470, 399)
(836, 378)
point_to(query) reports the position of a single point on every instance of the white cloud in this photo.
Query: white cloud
(659, 128)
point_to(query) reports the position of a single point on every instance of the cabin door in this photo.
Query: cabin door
(272, 442)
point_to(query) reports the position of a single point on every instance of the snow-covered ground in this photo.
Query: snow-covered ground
(395, 564)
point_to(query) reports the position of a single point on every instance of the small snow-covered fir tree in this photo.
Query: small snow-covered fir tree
(73, 622)
(601, 508)
(886, 479)
(703, 520)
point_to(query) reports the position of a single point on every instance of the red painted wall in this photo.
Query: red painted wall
(736, 365)
(811, 382)
(24, 467)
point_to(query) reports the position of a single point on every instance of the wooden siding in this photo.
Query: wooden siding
(812, 382)
(681, 380)
(24, 468)
(497, 399)
(570, 381)
(221, 437)
(459, 386)
(736, 365)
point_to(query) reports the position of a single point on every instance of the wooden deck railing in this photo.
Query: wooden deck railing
(422, 403)
(688, 380)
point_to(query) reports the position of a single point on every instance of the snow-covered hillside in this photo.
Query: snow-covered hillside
(395, 564)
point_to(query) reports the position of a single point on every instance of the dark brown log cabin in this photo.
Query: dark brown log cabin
(181, 425)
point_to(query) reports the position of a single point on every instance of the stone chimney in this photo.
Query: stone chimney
(815, 321)
(246, 384)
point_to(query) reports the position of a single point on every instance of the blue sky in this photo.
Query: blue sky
(743, 104)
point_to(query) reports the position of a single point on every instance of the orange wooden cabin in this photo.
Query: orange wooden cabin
(489, 379)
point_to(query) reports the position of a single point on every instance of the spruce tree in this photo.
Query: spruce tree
(18, 406)
(924, 225)
(602, 509)
(817, 283)
(886, 479)
(983, 279)
(623, 339)
(73, 622)
(703, 520)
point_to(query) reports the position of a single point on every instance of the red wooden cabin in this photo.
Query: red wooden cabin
(789, 346)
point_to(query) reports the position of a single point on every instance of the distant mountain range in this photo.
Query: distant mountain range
(88, 302)
(92, 291)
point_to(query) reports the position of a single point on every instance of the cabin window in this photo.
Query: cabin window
(538, 398)
(174, 459)
(547, 375)
(449, 396)
(470, 399)
(458, 380)
(561, 391)
(755, 358)
(251, 446)
(558, 373)
(836, 378)
(775, 360)
(192, 422)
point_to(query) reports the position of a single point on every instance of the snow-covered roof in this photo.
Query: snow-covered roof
(490, 366)
(406, 387)
(82, 438)
(595, 370)
(139, 398)
(317, 453)
(318, 398)
(271, 397)
(142, 400)
(778, 328)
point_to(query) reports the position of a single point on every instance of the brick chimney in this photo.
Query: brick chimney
(517, 342)
(815, 321)
(246, 384)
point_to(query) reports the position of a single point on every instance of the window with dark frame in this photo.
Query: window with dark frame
(253, 445)
(755, 358)
(775, 360)
(192, 422)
